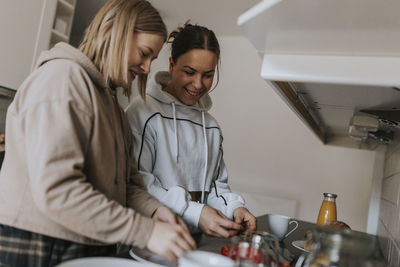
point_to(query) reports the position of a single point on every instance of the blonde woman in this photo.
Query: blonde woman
(69, 186)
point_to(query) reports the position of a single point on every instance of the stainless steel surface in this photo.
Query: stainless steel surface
(342, 248)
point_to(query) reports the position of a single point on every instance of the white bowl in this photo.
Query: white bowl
(104, 262)
(204, 259)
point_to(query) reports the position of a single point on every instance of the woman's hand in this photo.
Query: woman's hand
(213, 222)
(242, 215)
(164, 214)
(170, 240)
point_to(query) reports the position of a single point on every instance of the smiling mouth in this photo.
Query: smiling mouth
(193, 93)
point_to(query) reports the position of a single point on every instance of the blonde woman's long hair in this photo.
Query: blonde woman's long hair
(106, 41)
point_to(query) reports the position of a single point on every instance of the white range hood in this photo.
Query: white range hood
(329, 58)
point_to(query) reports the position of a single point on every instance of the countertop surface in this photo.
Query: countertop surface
(290, 253)
(214, 244)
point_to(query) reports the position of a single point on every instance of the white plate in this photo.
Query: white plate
(199, 258)
(104, 262)
(146, 256)
(299, 244)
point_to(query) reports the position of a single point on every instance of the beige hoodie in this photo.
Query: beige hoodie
(69, 170)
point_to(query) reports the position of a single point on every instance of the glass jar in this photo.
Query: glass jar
(344, 248)
(257, 249)
(327, 212)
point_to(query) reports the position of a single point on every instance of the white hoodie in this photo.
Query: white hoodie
(178, 149)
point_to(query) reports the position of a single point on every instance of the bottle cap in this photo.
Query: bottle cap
(330, 195)
(256, 239)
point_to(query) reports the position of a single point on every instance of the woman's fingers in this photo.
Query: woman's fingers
(170, 256)
(223, 229)
(185, 239)
(170, 241)
(222, 232)
(183, 224)
(241, 214)
(251, 224)
(231, 225)
(214, 223)
(184, 244)
(177, 250)
(189, 239)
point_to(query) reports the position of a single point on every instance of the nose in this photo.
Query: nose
(197, 81)
(145, 67)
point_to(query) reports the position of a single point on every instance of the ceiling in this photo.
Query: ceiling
(218, 15)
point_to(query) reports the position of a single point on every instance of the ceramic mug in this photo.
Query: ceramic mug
(279, 224)
(197, 258)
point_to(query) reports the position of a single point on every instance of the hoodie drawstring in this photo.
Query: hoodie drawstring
(175, 131)
(205, 147)
(206, 156)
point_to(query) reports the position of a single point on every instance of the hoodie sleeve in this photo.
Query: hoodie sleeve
(58, 135)
(221, 197)
(137, 196)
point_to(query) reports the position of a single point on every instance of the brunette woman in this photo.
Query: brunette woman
(178, 144)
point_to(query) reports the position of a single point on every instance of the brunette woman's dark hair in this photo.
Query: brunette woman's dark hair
(189, 37)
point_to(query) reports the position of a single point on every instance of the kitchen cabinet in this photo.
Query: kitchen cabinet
(62, 25)
(27, 28)
(329, 60)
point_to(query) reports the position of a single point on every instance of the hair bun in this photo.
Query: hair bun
(178, 30)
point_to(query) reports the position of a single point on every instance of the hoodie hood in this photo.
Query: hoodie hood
(160, 80)
(68, 52)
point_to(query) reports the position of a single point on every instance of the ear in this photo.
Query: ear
(171, 65)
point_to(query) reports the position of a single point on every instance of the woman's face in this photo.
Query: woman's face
(144, 49)
(192, 75)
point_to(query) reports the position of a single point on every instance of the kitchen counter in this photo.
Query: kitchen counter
(288, 253)
(214, 244)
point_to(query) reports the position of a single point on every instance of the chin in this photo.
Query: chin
(190, 103)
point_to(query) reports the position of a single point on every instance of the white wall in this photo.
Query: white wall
(270, 152)
(19, 22)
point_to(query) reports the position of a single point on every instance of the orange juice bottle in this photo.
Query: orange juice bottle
(327, 212)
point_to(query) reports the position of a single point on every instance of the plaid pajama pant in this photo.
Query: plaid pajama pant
(28, 249)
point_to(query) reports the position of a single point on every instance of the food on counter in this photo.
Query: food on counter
(257, 248)
(337, 224)
(251, 254)
(225, 250)
(308, 241)
(254, 255)
(321, 261)
(334, 224)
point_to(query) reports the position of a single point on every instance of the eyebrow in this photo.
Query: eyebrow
(186, 66)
